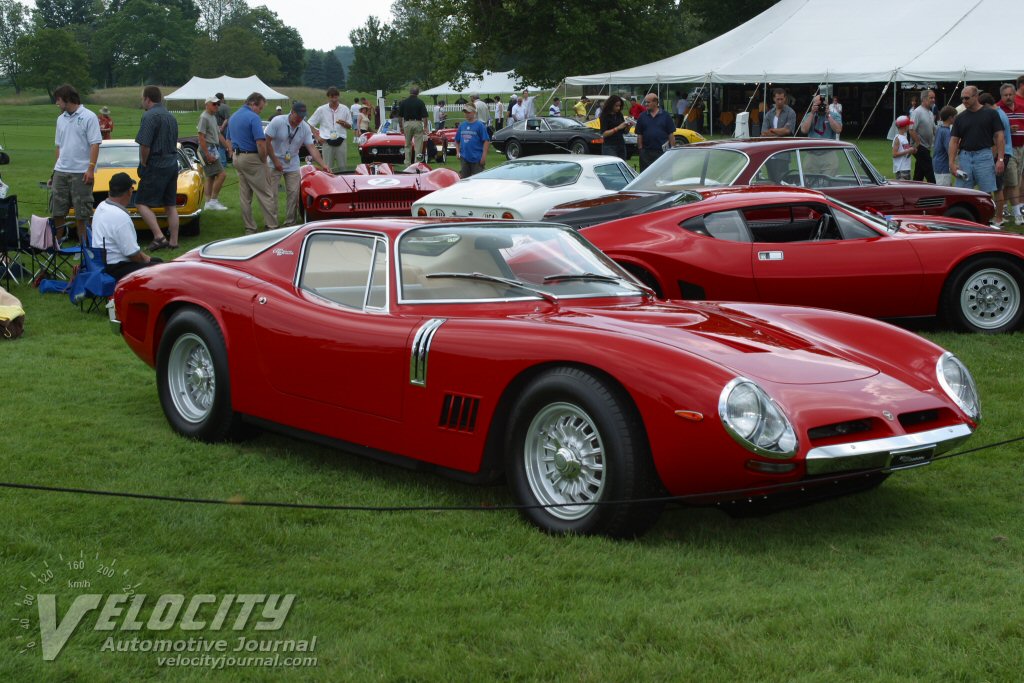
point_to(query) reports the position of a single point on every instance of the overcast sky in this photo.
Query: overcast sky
(323, 26)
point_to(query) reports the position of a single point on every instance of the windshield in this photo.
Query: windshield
(118, 156)
(691, 166)
(880, 222)
(561, 122)
(547, 173)
(455, 263)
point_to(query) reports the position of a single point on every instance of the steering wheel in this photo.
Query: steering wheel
(822, 231)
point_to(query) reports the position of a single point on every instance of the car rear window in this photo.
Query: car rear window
(547, 173)
(242, 248)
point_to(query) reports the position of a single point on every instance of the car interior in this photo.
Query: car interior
(806, 222)
(822, 168)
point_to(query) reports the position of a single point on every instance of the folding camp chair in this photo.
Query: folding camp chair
(14, 244)
(53, 260)
(92, 282)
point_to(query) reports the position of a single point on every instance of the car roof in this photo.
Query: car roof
(755, 194)
(119, 143)
(584, 159)
(394, 226)
(769, 144)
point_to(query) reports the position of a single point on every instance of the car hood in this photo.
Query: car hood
(481, 192)
(610, 207)
(747, 345)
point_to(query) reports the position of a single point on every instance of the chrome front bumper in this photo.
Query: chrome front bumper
(890, 453)
(115, 324)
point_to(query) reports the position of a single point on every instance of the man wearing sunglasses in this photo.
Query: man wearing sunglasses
(976, 145)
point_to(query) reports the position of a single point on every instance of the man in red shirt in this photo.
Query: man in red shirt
(635, 108)
(1012, 104)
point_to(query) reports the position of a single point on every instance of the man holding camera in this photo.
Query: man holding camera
(819, 122)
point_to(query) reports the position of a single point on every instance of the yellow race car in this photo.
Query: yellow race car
(118, 156)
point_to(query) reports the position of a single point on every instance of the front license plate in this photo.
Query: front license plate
(904, 460)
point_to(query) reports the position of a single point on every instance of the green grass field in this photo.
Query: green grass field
(919, 580)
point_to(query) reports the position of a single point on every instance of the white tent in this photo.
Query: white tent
(489, 83)
(233, 89)
(829, 41)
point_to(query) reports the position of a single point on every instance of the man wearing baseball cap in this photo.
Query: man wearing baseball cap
(471, 143)
(113, 230)
(211, 142)
(287, 135)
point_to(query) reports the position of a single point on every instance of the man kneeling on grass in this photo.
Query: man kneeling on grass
(112, 230)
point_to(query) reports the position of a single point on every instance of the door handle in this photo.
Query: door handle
(770, 256)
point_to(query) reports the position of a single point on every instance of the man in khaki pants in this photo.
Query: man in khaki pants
(245, 130)
(287, 134)
(412, 115)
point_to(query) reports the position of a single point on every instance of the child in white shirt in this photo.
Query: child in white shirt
(902, 149)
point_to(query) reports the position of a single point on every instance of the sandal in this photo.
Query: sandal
(161, 243)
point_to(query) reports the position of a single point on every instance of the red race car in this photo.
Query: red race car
(795, 246)
(372, 190)
(836, 168)
(388, 145)
(518, 348)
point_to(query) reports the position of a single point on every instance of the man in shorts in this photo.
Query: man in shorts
(211, 141)
(158, 168)
(78, 146)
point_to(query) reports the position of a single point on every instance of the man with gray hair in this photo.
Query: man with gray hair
(922, 134)
(1013, 107)
(249, 142)
(976, 144)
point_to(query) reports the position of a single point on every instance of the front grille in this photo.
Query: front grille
(839, 429)
(459, 412)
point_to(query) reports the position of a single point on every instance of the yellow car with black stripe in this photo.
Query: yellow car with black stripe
(683, 136)
(122, 156)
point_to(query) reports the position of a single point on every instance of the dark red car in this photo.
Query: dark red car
(836, 168)
(371, 190)
(388, 145)
(795, 246)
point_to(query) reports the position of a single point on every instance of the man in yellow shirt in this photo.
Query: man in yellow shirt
(580, 109)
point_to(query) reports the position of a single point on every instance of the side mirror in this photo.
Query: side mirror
(4, 159)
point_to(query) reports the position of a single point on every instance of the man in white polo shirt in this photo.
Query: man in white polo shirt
(78, 146)
(113, 230)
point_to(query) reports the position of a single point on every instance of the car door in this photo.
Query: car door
(858, 269)
(535, 137)
(331, 340)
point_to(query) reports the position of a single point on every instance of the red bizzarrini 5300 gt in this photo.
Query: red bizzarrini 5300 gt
(519, 348)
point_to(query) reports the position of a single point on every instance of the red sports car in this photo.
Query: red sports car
(388, 145)
(517, 348)
(795, 246)
(371, 190)
(836, 168)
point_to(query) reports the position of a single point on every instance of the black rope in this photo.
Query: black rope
(757, 491)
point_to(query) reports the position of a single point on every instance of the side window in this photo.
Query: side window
(727, 225)
(337, 267)
(861, 169)
(850, 228)
(780, 169)
(612, 176)
(533, 124)
(827, 168)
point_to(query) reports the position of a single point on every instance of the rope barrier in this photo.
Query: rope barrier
(758, 492)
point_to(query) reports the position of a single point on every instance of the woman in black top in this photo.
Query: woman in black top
(613, 123)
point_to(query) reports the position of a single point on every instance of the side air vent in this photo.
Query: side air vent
(930, 202)
(459, 412)
(420, 351)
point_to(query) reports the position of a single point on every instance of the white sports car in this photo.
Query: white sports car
(526, 188)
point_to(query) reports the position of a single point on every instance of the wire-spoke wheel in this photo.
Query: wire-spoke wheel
(577, 457)
(984, 295)
(192, 378)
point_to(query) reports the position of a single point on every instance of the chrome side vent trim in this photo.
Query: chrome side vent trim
(421, 351)
(930, 202)
(459, 412)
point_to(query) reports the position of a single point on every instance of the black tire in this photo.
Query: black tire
(962, 212)
(190, 229)
(681, 140)
(645, 277)
(587, 413)
(984, 295)
(578, 146)
(513, 150)
(193, 380)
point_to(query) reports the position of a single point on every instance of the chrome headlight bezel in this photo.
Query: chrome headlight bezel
(965, 394)
(754, 438)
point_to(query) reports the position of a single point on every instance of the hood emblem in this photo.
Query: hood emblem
(888, 416)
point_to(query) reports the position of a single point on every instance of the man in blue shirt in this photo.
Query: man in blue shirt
(245, 130)
(654, 130)
(471, 143)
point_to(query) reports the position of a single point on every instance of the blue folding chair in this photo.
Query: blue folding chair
(92, 282)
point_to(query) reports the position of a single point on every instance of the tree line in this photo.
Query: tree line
(109, 43)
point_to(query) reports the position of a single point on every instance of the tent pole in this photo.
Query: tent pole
(875, 108)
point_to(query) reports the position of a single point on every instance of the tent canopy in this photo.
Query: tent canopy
(489, 83)
(825, 41)
(233, 89)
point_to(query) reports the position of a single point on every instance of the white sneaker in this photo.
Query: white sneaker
(215, 205)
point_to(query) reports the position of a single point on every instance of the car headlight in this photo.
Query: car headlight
(755, 420)
(956, 381)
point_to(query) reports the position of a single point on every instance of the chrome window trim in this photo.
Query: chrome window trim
(376, 237)
(419, 353)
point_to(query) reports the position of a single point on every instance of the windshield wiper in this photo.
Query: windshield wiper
(600, 278)
(502, 280)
